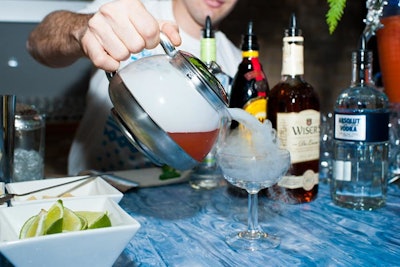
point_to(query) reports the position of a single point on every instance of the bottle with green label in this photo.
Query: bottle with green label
(207, 174)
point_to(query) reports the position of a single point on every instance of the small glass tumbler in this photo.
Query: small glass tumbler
(29, 144)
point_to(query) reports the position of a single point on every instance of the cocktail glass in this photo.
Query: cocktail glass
(253, 172)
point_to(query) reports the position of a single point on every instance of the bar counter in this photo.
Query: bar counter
(183, 227)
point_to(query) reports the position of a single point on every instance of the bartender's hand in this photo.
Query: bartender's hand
(120, 28)
(107, 37)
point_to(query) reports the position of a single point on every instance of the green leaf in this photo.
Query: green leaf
(334, 14)
(168, 173)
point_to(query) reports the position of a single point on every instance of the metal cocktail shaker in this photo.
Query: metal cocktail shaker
(7, 106)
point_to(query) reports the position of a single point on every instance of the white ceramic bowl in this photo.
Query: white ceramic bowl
(94, 188)
(96, 247)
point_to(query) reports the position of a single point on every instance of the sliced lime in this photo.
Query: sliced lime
(83, 221)
(54, 219)
(95, 219)
(71, 221)
(34, 226)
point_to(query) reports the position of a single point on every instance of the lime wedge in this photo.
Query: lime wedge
(95, 219)
(26, 227)
(83, 221)
(34, 226)
(60, 219)
(54, 219)
(71, 221)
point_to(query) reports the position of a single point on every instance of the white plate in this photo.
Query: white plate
(96, 247)
(94, 188)
(149, 177)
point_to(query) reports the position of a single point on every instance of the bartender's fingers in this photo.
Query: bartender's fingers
(131, 23)
(103, 30)
(171, 29)
(96, 53)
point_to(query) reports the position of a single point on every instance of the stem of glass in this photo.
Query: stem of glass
(252, 220)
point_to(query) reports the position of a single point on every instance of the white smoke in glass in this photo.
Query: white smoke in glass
(251, 152)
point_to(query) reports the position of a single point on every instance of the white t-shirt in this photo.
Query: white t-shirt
(99, 144)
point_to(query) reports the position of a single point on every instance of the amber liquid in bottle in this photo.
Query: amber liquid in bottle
(293, 109)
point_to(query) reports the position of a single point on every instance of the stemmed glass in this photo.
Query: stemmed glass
(252, 171)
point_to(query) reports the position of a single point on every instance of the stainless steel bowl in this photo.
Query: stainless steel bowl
(141, 130)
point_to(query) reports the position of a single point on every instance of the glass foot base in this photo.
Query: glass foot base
(257, 240)
(205, 179)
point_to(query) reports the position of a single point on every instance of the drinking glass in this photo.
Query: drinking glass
(253, 172)
(29, 143)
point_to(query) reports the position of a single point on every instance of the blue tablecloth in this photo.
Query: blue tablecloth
(184, 227)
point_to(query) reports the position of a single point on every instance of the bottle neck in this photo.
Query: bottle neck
(208, 50)
(361, 74)
(293, 56)
(256, 72)
(208, 55)
(250, 54)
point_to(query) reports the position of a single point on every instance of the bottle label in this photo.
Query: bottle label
(342, 170)
(255, 74)
(299, 133)
(293, 56)
(250, 53)
(208, 50)
(307, 181)
(257, 107)
(367, 127)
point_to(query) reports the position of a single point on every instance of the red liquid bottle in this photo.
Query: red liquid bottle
(250, 86)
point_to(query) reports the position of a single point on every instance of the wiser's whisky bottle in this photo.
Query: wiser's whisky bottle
(293, 109)
(250, 86)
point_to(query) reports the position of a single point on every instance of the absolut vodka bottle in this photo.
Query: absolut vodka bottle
(361, 134)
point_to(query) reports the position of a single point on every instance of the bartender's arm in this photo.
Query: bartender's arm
(107, 37)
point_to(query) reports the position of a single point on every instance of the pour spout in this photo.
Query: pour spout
(293, 29)
(208, 30)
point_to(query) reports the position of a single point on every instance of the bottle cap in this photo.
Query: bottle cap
(293, 30)
(362, 55)
(250, 41)
(208, 31)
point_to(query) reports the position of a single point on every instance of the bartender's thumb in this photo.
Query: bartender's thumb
(171, 30)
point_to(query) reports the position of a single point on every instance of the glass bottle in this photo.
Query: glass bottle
(250, 86)
(208, 175)
(293, 109)
(361, 134)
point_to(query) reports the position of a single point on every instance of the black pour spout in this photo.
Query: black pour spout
(250, 41)
(293, 30)
(208, 31)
